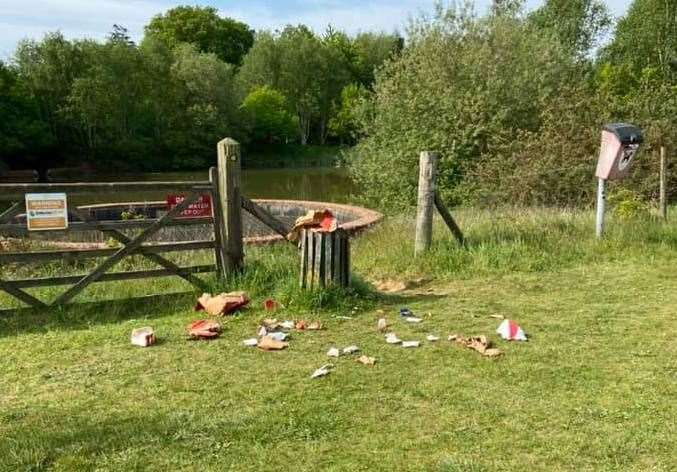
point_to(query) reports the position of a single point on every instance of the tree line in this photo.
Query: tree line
(514, 101)
(194, 78)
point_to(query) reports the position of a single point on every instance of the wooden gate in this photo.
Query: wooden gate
(223, 186)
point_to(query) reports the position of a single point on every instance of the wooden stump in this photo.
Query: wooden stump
(325, 259)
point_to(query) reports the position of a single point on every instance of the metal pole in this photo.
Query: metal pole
(663, 185)
(600, 207)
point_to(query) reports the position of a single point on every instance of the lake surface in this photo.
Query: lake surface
(327, 184)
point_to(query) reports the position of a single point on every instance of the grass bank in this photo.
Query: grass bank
(593, 389)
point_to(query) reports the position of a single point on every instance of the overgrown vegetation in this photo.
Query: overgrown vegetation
(591, 389)
(514, 102)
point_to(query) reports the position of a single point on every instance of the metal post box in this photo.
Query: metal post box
(620, 142)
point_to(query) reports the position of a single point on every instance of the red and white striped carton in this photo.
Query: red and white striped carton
(510, 331)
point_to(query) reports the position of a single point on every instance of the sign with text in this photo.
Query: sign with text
(46, 211)
(201, 207)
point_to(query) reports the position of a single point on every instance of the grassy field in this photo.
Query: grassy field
(593, 389)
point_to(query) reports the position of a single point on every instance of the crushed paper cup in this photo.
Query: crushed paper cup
(350, 350)
(333, 352)
(253, 342)
(432, 338)
(143, 337)
(203, 329)
(510, 331)
(411, 343)
(381, 325)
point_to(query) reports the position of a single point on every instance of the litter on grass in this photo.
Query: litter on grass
(432, 338)
(333, 352)
(510, 331)
(267, 343)
(411, 343)
(221, 304)
(351, 350)
(270, 305)
(278, 336)
(381, 325)
(302, 325)
(287, 324)
(250, 342)
(322, 371)
(412, 319)
(143, 337)
(392, 338)
(404, 311)
(478, 343)
(203, 329)
(366, 360)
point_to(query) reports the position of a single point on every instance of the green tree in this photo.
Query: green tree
(203, 27)
(345, 124)
(268, 115)
(578, 24)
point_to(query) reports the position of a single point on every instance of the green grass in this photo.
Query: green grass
(593, 389)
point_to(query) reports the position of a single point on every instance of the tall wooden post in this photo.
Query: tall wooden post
(664, 185)
(426, 200)
(230, 202)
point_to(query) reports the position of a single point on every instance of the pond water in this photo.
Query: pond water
(327, 184)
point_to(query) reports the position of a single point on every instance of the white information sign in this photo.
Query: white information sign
(46, 211)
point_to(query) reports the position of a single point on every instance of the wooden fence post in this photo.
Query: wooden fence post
(231, 205)
(664, 185)
(426, 200)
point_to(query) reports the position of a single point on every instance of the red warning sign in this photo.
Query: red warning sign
(201, 207)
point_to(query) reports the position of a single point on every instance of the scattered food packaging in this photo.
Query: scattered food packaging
(270, 305)
(478, 343)
(351, 350)
(221, 304)
(306, 325)
(392, 338)
(322, 371)
(411, 343)
(333, 352)
(432, 338)
(253, 342)
(381, 325)
(143, 337)
(203, 329)
(262, 331)
(510, 331)
(366, 360)
(266, 343)
(412, 319)
(278, 336)
(287, 324)
(318, 220)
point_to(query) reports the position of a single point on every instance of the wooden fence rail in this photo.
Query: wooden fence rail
(223, 186)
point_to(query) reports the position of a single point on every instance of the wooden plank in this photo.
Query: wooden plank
(328, 257)
(18, 191)
(21, 295)
(338, 260)
(317, 263)
(345, 240)
(217, 210)
(304, 260)
(265, 217)
(111, 276)
(80, 254)
(20, 229)
(229, 189)
(123, 252)
(12, 211)
(153, 257)
(311, 258)
(449, 220)
(424, 210)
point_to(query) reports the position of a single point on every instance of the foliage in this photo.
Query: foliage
(345, 124)
(628, 205)
(205, 29)
(269, 115)
(528, 132)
